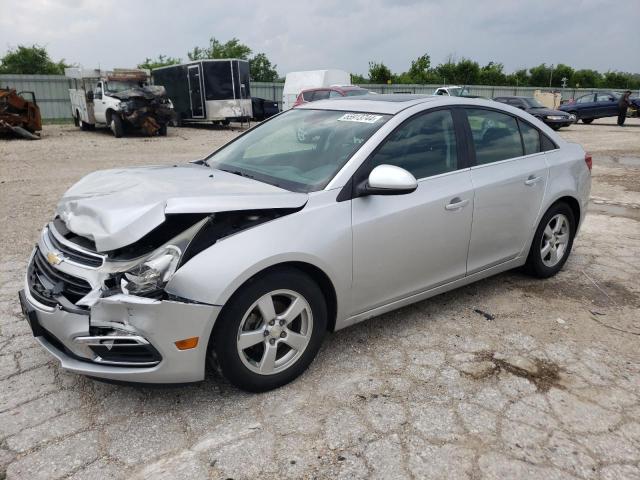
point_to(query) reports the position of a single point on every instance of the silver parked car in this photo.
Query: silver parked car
(319, 218)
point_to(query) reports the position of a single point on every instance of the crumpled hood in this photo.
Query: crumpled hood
(149, 93)
(115, 208)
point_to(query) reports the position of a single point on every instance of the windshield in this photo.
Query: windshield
(117, 86)
(299, 150)
(458, 91)
(533, 103)
(355, 92)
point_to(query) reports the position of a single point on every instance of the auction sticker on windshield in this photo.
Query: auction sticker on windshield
(359, 117)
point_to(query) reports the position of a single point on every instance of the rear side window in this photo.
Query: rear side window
(530, 138)
(321, 95)
(424, 145)
(334, 94)
(585, 98)
(495, 135)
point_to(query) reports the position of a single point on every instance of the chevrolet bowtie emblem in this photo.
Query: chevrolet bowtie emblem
(53, 259)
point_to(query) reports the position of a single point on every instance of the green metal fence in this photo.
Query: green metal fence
(53, 97)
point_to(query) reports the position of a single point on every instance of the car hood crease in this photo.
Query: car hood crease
(115, 208)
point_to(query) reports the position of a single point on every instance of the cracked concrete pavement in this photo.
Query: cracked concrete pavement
(549, 389)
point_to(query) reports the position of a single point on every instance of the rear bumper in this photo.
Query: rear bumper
(155, 324)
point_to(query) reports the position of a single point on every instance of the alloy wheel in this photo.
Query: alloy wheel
(274, 332)
(555, 239)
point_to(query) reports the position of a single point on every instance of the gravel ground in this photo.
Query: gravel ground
(548, 387)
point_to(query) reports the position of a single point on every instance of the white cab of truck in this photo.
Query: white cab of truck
(119, 99)
(295, 82)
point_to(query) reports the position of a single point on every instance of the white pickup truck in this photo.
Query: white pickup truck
(121, 100)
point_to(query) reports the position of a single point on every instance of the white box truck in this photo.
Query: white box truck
(119, 99)
(295, 82)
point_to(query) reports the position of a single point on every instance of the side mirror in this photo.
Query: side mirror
(387, 180)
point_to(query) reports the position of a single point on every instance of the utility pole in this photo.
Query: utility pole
(551, 75)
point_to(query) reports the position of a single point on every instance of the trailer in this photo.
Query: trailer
(213, 90)
(120, 99)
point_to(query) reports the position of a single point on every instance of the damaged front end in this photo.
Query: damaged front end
(107, 314)
(146, 108)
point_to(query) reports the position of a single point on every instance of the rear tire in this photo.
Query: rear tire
(279, 346)
(115, 124)
(163, 130)
(552, 242)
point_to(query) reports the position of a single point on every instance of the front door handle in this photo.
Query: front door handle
(456, 204)
(532, 180)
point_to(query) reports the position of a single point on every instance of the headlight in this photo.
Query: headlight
(555, 117)
(154, 273)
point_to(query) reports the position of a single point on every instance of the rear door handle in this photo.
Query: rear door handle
(532, 180)
(456, 204)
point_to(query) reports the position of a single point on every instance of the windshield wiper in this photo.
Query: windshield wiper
(238, 172)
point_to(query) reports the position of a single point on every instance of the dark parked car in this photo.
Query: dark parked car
(554, 118)
(263, 108)
(596, 105)
(324, 93)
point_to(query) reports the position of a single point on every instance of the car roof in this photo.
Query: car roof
(390, 103)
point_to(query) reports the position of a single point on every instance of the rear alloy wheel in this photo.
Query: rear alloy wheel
(270, 330)
(552, 242)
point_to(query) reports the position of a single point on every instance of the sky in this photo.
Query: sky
(320, 34)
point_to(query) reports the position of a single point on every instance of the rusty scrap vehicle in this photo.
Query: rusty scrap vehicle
(18, 115)
(120, 100)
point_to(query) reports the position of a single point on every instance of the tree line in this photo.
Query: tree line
(469, 72)
(36, 60)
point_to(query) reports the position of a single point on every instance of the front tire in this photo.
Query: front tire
(552, 241)
(116, 126)
(162, 131)
(587, 120)
(270, 330)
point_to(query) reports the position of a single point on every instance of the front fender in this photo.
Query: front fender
(319, 235)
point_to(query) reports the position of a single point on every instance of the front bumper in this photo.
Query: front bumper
(560, 123)
(158, 323)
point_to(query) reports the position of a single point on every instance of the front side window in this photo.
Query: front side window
(300, 150)
(604, 97)
(308, 96)
(495, 135)
(424, 145)
(530, 138)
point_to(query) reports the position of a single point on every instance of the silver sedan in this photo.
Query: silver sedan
(319, 218)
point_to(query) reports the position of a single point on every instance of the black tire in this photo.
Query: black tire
(223, 343)
(587, 120)
(115, 124)
(535, 265)
(163, 130)
(76, 119)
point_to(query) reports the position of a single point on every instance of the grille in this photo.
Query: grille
(77, 256)
(47, 284)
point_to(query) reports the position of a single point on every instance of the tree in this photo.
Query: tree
(419, 70)
(358, 79)
(33, 60)
(216, 49)
(160, 61)
(492, 74)
(379, 72)
(586, 79)
(539, 76)
(261, 69)
(518, 78)
(559, 72)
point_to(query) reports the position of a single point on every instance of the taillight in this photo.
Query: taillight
(588, 160)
